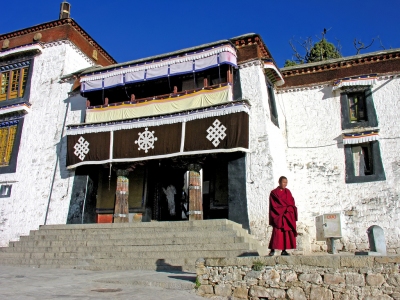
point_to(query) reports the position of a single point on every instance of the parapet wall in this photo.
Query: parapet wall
(300, 277)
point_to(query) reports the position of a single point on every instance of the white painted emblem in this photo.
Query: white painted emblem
(216, 133)
(81, 148)
(146, 140)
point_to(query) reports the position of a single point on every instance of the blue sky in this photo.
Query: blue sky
(131, 29)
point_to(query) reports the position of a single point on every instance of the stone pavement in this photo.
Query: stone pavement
(25, 283)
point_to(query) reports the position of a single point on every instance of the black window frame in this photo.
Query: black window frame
(377, 165)
(371, 117)
(17, 64)
(12, 166)
(272, 104)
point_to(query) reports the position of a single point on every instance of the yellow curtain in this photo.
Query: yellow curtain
(198, 99)
(7, 138)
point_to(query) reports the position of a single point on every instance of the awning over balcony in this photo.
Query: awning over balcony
(189, 63)
(224, 128)
(181, 102)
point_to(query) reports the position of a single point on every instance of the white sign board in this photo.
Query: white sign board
(328, 226)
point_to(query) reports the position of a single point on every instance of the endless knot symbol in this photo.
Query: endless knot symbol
(81, 148)
(146, 140)
(216, 133)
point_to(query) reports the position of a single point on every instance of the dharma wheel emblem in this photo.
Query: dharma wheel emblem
(81, 148)
(146, 140)
(216, 133)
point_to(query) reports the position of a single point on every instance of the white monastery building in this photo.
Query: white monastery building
(200, 133)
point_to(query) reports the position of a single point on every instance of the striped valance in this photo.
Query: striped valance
(360, 137)
(364, 80)
(188, 63)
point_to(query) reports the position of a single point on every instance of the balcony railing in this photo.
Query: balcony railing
(161, 104)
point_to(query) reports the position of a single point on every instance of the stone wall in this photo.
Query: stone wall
(42, 150)
(300, 278)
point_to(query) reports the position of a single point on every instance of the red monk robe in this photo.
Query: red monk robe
(282, 217)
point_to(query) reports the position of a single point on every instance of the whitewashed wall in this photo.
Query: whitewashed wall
(315, 158)
(267, 160)
(40, 148)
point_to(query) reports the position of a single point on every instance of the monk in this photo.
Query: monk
(282, 217)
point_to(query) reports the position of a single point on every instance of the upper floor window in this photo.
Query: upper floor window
(272, 104)
(13, 83)
(358, 108)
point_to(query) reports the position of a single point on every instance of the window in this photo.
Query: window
(7, 138)
(272, 105)
(13, 83)
(5, 190)
(364, 163)
(358, 108)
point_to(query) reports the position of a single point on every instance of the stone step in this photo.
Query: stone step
(148, 230)
(223, 239)
(129, 256)
(135, 235)
(199, 223)
(51, 251)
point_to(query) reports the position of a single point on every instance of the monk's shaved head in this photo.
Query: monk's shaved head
(281, 178)
(283, 182)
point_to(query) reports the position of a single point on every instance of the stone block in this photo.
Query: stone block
(313, 278)
(320, 293)
(223, 290)
(380, 297)
(205, 289)
(387, 259)
(276, 293)
(240, 293)
(315, 248)
(296, 293)
(355, 279)
(333, 279)
(271, 277)
(375, 279)
(321, 261)
(356, 262)
(253, 275)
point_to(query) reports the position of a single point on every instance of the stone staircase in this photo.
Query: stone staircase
(129, 246)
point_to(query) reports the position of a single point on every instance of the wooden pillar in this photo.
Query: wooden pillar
(195, 193)
(121, 209)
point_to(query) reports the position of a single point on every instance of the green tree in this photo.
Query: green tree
(312, 52)
(322, 50)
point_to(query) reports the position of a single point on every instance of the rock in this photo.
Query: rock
(320, 293)
(355, 279)
(380, 297)
(375, 279)
(261, 292)
(223, 290)
(314, 278)
(271, 277)
(253, 275)
(296, 293)
(201, 270)
(357, 261)
(333, 279)
(394, 279)
(258, 291)
(205, 289)
(315, 248)
(236, 275)
(395, 296)
(290, 276)
(240, 293)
